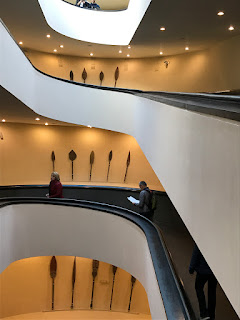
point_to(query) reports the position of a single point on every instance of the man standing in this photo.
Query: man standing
(204, 275)
(145, 200)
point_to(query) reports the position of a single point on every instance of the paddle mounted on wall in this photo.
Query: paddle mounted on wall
(53, 160)
(116, 75)
(109, 162)
(72, 157)
(127, 165)
(91, 164)
(73, 280)
(95, 266)
(84, 75)
(71, 75)
(53, 274)
(133, 280)
(101, 77)
(114, 269)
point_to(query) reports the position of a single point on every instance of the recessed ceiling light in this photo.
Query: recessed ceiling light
(37, 119)
(21, 42)
(129, 47)
(186, 48)
(128, 55)
(3, 120)
(89, 126)
(160, 52)
(91, 54)
(61, 46)
(231, 28)
(46, 124)
(162, 28)
(48, 36)
(55, 50)
(220, 13)
(120, 51)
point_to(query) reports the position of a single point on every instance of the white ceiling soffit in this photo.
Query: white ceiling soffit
(102, 27)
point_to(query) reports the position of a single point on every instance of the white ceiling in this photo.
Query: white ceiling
(187, 22)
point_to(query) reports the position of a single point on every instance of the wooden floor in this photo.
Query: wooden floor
(83, 315)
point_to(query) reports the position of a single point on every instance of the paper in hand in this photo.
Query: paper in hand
(133, 200)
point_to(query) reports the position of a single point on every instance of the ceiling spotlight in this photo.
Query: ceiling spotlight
(186, 48)
(61, 46)
(128, 55)
(37, 119)
(55, 50)
(89, 126)
(162, 29)
(220, 13)
(160, 52)
(3, 120)
(129, 47)
(46, 124)
(231, 28)
(120, 51)
(91, 54)
(21, 42)
(48, 36)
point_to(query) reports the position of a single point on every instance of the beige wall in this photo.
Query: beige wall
(210, 70)
(26, 155)
(26, 286)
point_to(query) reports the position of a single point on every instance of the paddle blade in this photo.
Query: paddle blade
(133, 280)
(71, 75)
(72, 155)
(110, 156)
(101, 77)
(116, 75)
(53, 267)
(128, 159)
(74, 272)
(53, 156)
(114, 268)
(95, 266)
(92, 158)
(84, 75)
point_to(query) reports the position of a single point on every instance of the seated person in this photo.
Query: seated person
(94, 5)
(80, 3)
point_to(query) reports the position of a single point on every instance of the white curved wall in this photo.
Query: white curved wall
(195, 156)
(47, 230)
(104, 27)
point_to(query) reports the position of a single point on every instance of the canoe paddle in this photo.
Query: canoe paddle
(101, 77)
(91, 164)
(53, 160)
(116, 75)
(109, 162)
(127, 165)
(84, 75)
(53, 273)
(133, 280)
(71, 75)
(73, 280)
(95, 266)
(114, 273)
(72, 157)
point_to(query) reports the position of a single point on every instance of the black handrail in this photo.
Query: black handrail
(174, 298)
(211, 104)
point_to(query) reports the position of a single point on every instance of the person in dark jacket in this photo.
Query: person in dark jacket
(204, 275)
(55, 186)
(145, 200)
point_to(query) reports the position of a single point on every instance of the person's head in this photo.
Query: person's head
(55, 176)
(142, 185)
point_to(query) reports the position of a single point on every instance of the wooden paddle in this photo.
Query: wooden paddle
(73, 280)
(71, 75)
(72, 157)
(84, 75)
(114, 273)
(101, 77)
(53, 273)
(116, 76)
(127, 165)
(95, 266)
(53, 160)
(109, 162)
(133, 280)
(91, 164)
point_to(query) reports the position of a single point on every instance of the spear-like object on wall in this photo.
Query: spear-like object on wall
(72, 157)
(84, 75)
(71, 75)
(101, 77)
(109, 162)
(116, 75)
(95, 266)
(114, 273)
(53, 273)
(127, 165)
(53, 160)
(73, 280)
(133, 280)
(91, 164)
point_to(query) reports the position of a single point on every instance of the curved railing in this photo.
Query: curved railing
(173, 296)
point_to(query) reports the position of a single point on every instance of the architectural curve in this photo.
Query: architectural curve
(102, 27)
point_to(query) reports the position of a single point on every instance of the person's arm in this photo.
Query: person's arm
(141, 200)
